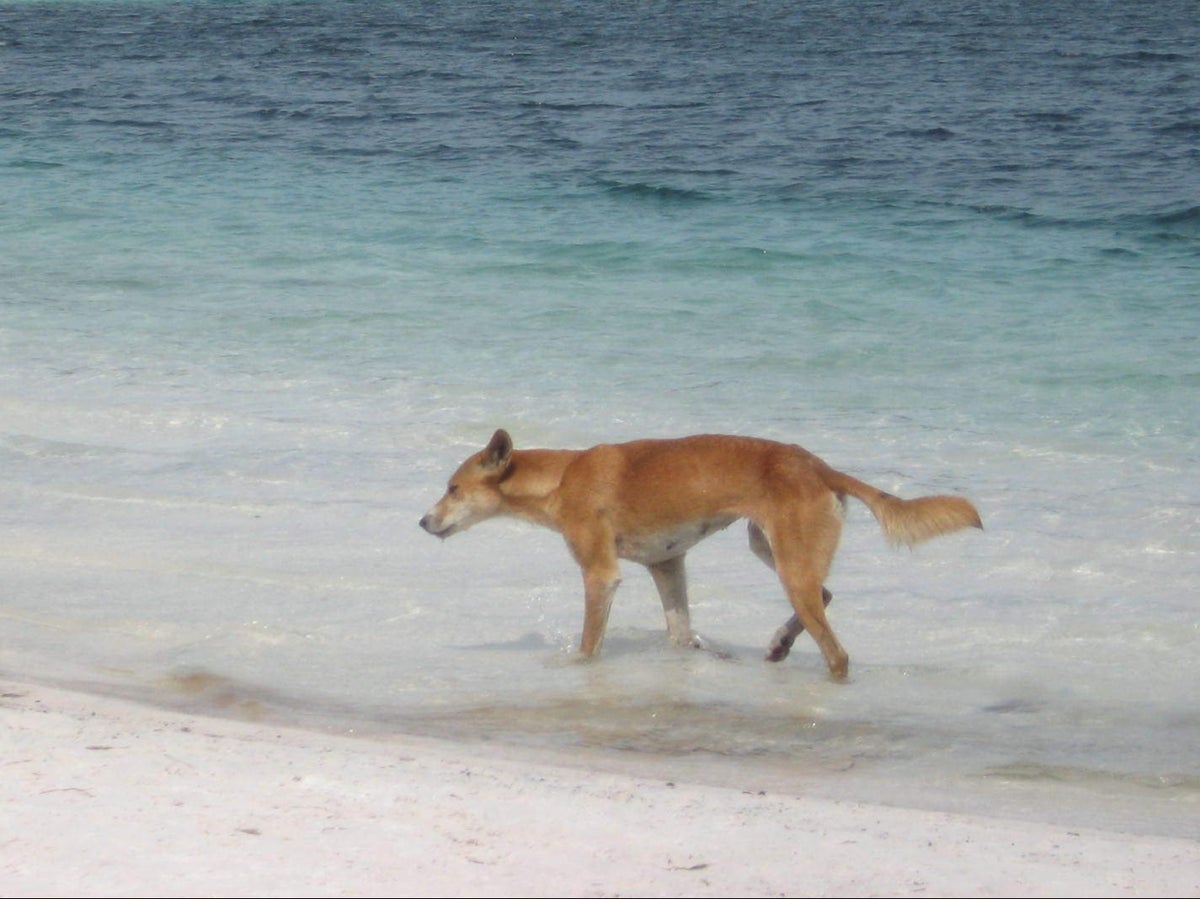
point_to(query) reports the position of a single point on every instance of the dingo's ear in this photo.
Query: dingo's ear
(499, 449)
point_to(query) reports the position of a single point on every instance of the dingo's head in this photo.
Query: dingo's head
(473, 494)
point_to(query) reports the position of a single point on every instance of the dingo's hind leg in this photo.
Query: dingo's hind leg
(803, 542)
(671, 581)
(785, 636)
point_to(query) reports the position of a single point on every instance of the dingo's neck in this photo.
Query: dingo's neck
(531, 482)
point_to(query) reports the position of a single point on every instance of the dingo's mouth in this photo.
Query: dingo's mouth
(428, 524)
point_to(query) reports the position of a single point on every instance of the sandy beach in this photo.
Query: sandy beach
(105, 797)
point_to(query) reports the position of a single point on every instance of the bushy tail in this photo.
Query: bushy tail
(907, 521)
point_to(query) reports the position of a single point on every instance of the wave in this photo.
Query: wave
(32, 163)
(130, 123)
(1139, 57)
(552, 106)
(1053, 121)
(659, 193)
(1178, 221)
(1181, 129)
(1180, 227)
(1188, 216)
(936, 133)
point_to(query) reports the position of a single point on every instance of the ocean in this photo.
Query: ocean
(270, 270)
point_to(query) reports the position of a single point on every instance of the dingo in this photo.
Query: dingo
(650, 501)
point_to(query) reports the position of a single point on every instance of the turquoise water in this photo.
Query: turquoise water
(270, 270)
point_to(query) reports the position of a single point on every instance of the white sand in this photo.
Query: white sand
(102, 797)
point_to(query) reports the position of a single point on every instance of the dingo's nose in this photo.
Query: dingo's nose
(425, 523)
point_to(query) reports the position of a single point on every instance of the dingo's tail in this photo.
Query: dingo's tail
(908, 521)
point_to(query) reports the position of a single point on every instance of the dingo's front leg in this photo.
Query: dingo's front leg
(595, 551)
(599, 587)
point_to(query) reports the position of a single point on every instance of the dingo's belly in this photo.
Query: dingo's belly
(652, 548)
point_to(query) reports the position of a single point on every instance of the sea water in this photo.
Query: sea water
(270, 270)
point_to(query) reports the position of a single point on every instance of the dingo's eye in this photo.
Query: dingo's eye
(451, 490)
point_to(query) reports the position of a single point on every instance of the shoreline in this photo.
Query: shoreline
(106, 796)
